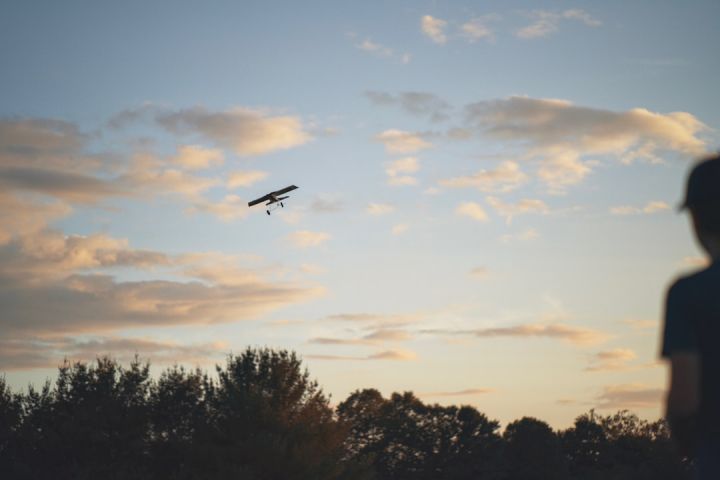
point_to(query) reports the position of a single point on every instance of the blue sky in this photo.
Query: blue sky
(486, 203)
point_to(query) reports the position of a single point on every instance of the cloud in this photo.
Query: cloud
(36, 214)
(615, 359)
(480, 272)
(49, 352)
(525, 236)
(379, 208)
(68, 186)
(524, 206)
(472, 210)
(401, 355)
(433, 28)
(306, 238)
(51, 282)
(560, 134)
(373, 338)
(399, 229)
(396, 169)
(196, 157)
(398, 141)
(546, 22)
(374, 320)
(420, 104)
(369, 46)
(245, 178)
(649, 208)
(327, 204)
(506, 177)
(243, 130)
(460, 393)
(478, 29)
(230, 208)
(568, 333)
(312, 269)
(629, 396)
(44, 143)
(640, 324)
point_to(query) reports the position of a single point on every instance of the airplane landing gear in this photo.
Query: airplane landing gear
(281, 205)
(268, 212)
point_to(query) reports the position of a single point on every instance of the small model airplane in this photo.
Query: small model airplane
(273, 197)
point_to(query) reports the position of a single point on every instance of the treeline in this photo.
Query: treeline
(262, 417)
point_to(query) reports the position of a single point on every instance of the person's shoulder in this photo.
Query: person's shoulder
(691, 282)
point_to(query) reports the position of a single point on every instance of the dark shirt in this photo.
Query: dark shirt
(692, 324)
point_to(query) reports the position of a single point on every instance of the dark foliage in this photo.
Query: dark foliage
(263, 418)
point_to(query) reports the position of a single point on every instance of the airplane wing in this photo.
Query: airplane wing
(259, 200)
(285, 190)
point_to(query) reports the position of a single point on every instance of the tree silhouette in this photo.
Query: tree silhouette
(263, 418)
(532, 451)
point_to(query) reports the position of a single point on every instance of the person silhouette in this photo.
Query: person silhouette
(691, 335)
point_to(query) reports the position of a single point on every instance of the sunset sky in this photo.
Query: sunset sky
(486, 204)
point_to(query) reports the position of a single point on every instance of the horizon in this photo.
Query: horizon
(486, 203)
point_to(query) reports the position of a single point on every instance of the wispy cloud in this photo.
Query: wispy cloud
(546, 22)
(399, 229)
(231, 207)
(401, 355)
(568, 333)
(433, 28)
(524, 236)
(478, 28)
(398, 171)
(379, 208)
(470, 392)
(628, 396)
(524, 206)
(197, 157)
(245, 178)
(615, 359)
(399, 141)
(649, 208)
(472, 210)
(420, 104)
(306, 238)
(507, 176)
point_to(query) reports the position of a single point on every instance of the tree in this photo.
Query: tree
(270, 419)
(532, 451)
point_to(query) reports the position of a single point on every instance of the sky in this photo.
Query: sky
(486, 211)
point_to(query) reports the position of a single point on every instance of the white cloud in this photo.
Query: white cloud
(472, 210)
(615, 359)
(524, 206)
(629, 396)
(433, 28)
(524, 236)
(547, 22)
(649, 208)
(397, 168)
(398, 141)
(561, 135)
(419, 104)
(196, 157)
(375, 48)
(230, 208)
(246, 131)
(478, 29)
(379, 209)
(399, 229)
(506, 177)
(306, 238)
(568, 333)
(245, 178)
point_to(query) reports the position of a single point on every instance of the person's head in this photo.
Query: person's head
(702, 199)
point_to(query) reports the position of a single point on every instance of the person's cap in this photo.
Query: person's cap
(703, 185)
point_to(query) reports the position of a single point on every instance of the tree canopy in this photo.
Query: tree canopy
(262, 417)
